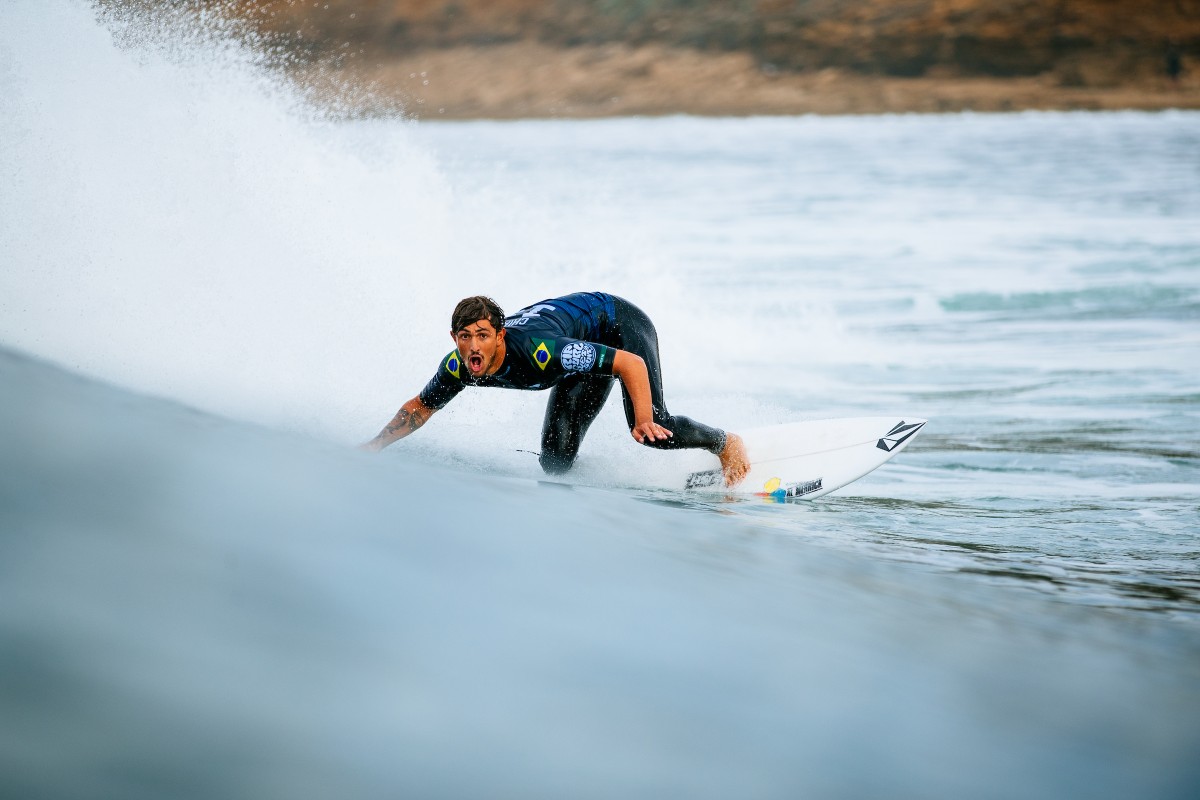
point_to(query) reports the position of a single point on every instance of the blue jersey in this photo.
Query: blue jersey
(545, 343)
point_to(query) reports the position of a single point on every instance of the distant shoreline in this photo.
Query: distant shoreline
(529, 80)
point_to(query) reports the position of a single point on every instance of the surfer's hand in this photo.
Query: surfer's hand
(650, 432)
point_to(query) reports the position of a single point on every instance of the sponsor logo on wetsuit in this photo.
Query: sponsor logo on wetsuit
(527, 314)
(578, 357)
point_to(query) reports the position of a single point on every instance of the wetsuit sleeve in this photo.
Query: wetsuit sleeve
(445, 383)
(573, 355)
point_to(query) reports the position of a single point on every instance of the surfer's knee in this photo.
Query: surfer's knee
(556, 463)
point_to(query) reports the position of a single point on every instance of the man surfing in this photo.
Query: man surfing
(575, 346)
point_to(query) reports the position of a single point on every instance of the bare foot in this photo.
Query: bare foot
(734, 462)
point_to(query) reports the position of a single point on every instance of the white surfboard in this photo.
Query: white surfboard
(803, 460)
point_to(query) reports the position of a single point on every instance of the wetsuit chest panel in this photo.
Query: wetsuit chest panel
(544, 343)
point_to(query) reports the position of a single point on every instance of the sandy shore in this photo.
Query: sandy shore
(527, 80)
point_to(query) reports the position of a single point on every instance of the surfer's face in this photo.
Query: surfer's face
(479, 344)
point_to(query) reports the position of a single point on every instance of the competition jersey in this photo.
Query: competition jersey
(545, 343)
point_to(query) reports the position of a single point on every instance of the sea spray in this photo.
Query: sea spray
(182, 220)
(177, 220)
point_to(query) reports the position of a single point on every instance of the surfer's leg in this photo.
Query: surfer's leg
(573, 404)
(638, 336)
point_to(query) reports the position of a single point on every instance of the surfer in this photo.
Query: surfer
(575, 346)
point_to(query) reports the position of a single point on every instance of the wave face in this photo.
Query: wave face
(200, 608)
(209, 289)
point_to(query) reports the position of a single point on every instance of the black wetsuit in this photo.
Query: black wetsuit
(566, 344)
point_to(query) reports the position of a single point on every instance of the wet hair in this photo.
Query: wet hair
(472, 309)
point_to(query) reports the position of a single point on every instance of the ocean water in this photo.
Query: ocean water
(209, 292)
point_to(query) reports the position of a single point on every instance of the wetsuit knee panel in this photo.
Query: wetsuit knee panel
(556, 463)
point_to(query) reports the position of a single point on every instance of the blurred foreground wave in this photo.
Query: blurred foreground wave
(195, 607)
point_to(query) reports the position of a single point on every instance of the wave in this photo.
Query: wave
(177, 220)
(1112, 302)
(200, 607)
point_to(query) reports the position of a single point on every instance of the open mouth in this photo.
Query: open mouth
(475, 363)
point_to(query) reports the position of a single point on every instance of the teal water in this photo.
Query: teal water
(1030, 283)
(208, 294)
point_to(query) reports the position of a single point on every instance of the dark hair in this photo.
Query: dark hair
(472, 309)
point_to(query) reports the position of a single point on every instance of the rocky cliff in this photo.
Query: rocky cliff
(505, 58)
(1088, 42)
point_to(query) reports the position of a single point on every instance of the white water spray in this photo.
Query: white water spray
(174, 219)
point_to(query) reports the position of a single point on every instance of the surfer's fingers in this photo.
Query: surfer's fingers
(650, 431)
(660, 432)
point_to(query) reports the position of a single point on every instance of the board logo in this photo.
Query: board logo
(898, 436)
(776, 491)
(801, 489)
(700, 480)
(543, 353)
(452, 364)
(578, 357)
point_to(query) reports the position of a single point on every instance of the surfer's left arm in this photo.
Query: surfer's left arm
(631, 370)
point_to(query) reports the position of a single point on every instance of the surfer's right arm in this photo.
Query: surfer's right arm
(411, 416)
(441, 389)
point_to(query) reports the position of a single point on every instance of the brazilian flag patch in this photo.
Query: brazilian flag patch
(543, 352)
(453, 363)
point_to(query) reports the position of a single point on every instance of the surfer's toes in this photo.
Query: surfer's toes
(734, 462)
